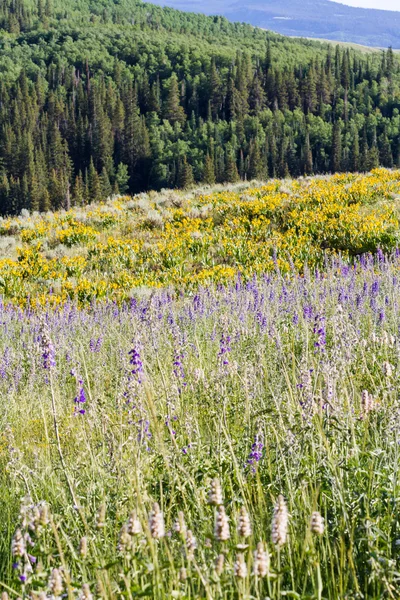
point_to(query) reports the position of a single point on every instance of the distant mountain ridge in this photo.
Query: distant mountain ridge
(306, 18)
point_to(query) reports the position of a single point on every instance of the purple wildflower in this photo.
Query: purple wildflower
(256, 452)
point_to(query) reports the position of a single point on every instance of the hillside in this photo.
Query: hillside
(309, 18)
(182, 240)
(115, 98)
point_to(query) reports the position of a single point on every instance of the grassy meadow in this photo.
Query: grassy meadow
(234, 436)
(125, 246)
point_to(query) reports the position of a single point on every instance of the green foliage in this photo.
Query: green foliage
(125, 97)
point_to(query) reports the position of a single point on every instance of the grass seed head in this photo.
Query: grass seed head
(261, 561)
(86, 594)
(156, 522)
(83, 547)
(221, 529)
(191, 545)
(56, 583)
(240, 567)
(180, 524)
(220, 564)
(134, 525)
(101, 516)
(244, 524)
(18, 547)
(215, 493)
(280, 522)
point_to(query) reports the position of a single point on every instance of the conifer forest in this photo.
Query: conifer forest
(114, 97)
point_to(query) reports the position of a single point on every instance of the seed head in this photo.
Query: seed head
(220, 564)
(367, 403)
(101, 516)
(244, 525)
(261, 561)
(44, 515)
(280, 522)
(134, 525)
(240, 567)
(83, 547)
(182, 574)
(55, 583)
(387, 369)
(215, 493)
(191, 545)
(221, 529)
(317, 524)
(156, 522)
(4, 596)
(47, 348)
(180, 525)
(125, 539)
(86, 594)
(18, 547)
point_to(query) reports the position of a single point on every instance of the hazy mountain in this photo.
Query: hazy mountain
(306, 18)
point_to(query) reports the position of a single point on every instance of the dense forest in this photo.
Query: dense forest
(125, 96)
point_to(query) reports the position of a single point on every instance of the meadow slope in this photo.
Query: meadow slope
(129, 246)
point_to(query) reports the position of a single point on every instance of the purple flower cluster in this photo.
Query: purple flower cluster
(136, 363)
(224, 348)
(256, 452)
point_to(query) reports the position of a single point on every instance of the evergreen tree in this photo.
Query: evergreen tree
(172, 109)
(208, 172)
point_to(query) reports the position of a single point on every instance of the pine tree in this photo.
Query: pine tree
(172, 109)
(307, 155)
(255, 170)
(336, 152)
(122, 178)
(185, 175)
(208, 172)
(94, 183)
(355, 151)
(231, 174)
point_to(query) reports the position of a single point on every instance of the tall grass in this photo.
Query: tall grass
(240, 442)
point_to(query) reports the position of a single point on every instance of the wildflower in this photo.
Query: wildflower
(156, 522)
(101, 516)
(224, 348)
(44, 515)
(134, 525)
(18, 547)
(261, 561)
(47, 348)
(367, 403)
(317, 523)
(221, 529)
(55, 583)
(180, 525)
(191, 545)
(83, 547)
(280, 522)
(182, 574)
(240, 567)
(215, 493)
(80, 399)
(387, 369)
(86, 593)
(220, 564)
(137, 365)
(244, 525)
(256, 451)
(125, 539)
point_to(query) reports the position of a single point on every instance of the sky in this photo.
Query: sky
(383, 4)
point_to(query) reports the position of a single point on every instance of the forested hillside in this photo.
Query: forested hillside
(124, 96)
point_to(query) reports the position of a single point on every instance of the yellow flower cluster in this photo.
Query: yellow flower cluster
(110, 250)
